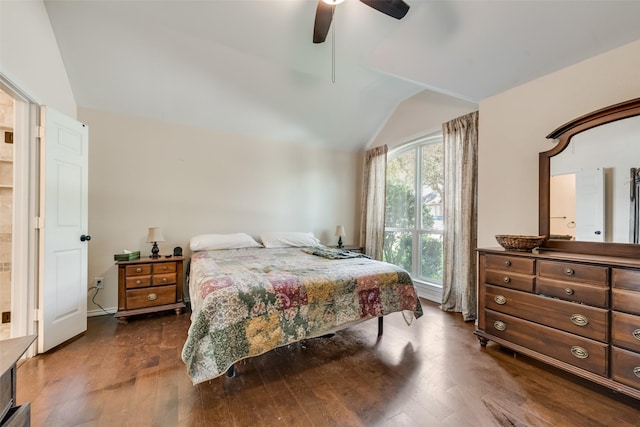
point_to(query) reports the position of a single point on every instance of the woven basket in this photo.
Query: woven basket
(514, 242)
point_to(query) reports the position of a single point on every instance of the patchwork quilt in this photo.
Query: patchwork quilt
(246, 302)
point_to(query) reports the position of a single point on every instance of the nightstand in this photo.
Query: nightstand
(351, 248)
(147, 285)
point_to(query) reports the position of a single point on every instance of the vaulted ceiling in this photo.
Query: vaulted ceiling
(249, 66)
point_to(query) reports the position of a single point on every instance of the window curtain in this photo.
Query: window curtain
(373, 202)
(460, 137)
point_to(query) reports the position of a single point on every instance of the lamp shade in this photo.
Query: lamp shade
(155, 235)
(340, 230)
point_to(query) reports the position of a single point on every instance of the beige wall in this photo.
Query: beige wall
(29, 55)
(190, 181)
(420, 115)
(513, 129)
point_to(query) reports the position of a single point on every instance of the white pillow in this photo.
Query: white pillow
(210, 242)
(289, 239)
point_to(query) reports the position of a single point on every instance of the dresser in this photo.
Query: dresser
(579, 313)
(10, 352)
(148, 285)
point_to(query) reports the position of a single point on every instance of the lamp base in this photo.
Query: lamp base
(340, 246)
(155, 250)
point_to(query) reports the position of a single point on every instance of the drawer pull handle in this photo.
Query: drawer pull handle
(636, 371)
(138, 270)
(164, 280)
(568, 291)
(507, 263)
(499, 299)
(152, 297)
(164, 267)
(138, 282)
(579, 352)
(506, 279)
(636, 334)
(499, 325)
(569, 271)
(579, 320)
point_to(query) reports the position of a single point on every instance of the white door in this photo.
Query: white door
(590, 206)
(63, 243)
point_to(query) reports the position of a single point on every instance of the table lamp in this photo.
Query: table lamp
(155, 236)
(340, 233)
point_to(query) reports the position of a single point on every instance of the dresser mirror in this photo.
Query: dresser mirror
(590, 183)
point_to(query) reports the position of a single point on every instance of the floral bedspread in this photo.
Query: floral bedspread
(246, 302)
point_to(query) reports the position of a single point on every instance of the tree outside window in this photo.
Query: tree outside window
(414, 222)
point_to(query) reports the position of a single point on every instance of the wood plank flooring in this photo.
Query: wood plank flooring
(431, 373)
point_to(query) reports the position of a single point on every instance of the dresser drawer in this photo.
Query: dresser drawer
(138, 270)
(625, 367)
(624, 300)
(582, 352)
(571, 291)
(6, 391)
(18, 416)
(164, 267)
(625, 330)
(625, 279)
(569, 271)
(151, 297)
(590, 322)
(510, 280)
(509, 263)
(138, 282)
(164, 279)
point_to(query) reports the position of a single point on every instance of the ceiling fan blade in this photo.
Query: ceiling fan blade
(394, 8)
(324, 15)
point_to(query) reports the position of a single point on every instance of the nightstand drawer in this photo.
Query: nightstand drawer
(138, 270)
(151, 297)
(138, 282)
(164, 279)
(165, 267)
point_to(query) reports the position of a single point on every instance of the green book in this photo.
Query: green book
(127, 257)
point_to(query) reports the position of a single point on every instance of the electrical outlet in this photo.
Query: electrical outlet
(98, 282)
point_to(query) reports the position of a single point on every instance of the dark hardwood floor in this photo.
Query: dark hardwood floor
(432, 373)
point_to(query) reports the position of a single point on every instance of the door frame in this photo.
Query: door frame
(25, 238)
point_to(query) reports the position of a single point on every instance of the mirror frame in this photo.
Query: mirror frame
(564, 134)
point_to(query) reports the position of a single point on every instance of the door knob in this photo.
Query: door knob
(85, 238)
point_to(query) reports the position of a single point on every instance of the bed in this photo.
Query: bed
(246, 302)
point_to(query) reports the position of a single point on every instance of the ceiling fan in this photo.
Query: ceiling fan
(324, 14)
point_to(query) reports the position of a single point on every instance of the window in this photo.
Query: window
(414, 222)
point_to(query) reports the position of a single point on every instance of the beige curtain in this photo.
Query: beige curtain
(373, 202)
(460, 212)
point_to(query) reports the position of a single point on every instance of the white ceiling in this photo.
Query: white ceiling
(249, 67)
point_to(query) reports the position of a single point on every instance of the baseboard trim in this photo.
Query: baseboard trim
(98, 312)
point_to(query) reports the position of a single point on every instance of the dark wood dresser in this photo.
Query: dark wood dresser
(579, 313)
(147, 285)
(10, 352)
